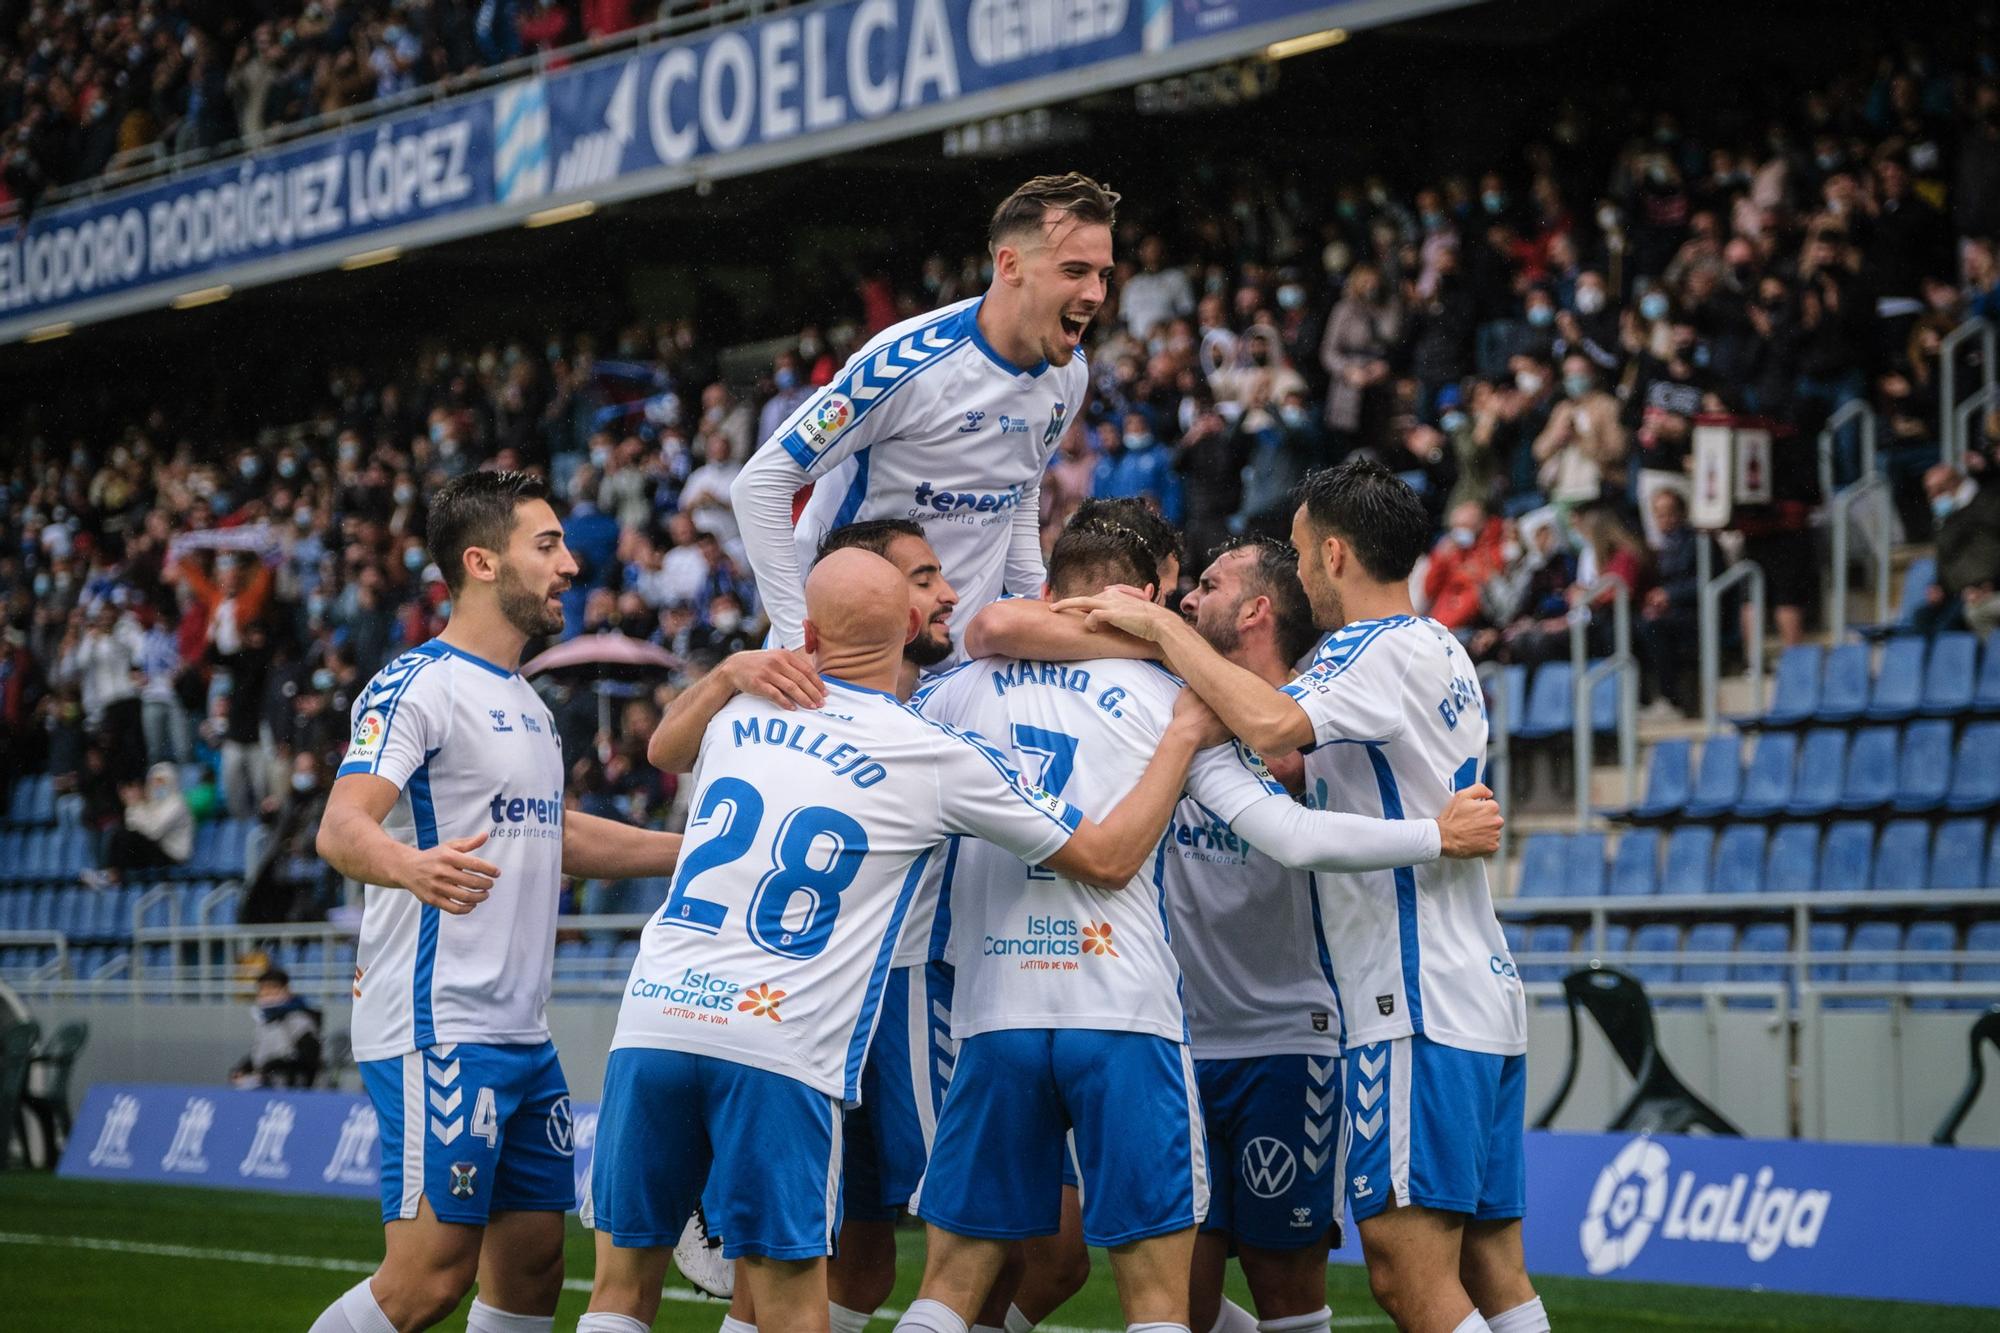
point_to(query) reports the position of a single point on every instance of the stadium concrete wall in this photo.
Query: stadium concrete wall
(1866, 1076)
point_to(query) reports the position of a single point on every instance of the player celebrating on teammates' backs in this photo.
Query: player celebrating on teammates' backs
(948, 419)
(449, 807)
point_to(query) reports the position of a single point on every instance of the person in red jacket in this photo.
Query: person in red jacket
(1465, 558)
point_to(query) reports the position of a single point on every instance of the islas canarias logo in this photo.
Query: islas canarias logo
(1097, 940)
(762, 1001)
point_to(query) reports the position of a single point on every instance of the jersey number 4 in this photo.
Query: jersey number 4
(815, 856)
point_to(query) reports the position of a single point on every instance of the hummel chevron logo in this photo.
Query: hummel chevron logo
(934, 340)
(446, 1105)
(447, 1133)
(1371, 1068)
(1317, 1130)
(939, 1012)
(1367, 1125)
(1315, 1161)
(1319, 1103)
(1320, 1071)
(444, 1073)
(1367, 1095)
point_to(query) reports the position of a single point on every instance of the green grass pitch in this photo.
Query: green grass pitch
(87, 1257)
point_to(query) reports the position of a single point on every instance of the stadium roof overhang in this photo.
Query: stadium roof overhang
(797, 85)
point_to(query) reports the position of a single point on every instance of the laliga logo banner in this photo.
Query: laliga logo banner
(288, 1142)
(1880, 1222)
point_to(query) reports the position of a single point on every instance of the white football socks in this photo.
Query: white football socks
(731, 1324)
(844, 1320)
(1018, 1322)
(987, 1328)
(1473, 1323)
(608, 1323)
(483, 1318)
(1319, 1321)
(1156, 1328)
(931, 1317)
(1233, 1318)
(1528, 1318)
(355, 1312)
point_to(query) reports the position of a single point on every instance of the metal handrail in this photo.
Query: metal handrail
(1710, 627)
(1499, 752)
(42, 937)
(697, 16)
(1842, 516)
(1950, 449)
(1715, 904)
(1584, 676)
(1962, 424)
(1860, 410)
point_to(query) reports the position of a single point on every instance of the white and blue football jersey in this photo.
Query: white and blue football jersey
(807, 838)
(1035, 950)
(1257, 978)
(1399, 723)
(927, 422)
(472, 749)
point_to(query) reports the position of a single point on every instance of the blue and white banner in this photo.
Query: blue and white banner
(630, 121)
(1834, 1219)
(223, 1138)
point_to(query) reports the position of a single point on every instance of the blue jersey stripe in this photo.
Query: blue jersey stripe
(428, 654)
(1325, 959)
(804, 454)
(871, 1001)
(941, 922)
(1406, 894)
(424, 815)
(857, 490)
(1071, 818)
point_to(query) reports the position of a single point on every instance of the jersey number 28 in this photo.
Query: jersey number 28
(794, 906)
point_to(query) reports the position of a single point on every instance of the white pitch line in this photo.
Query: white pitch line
(887, 1314)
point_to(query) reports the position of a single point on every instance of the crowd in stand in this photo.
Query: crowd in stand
(83, 81)
(1530, 348)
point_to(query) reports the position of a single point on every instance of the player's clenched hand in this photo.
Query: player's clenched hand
(1137, 616)
(1193, 715)
(1470, 824)
(449, 878)
(785, 676)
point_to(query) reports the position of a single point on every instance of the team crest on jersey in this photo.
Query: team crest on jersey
(462, 1176)
(760, 1000)
(830, 418)
(1010, 425)
(1055, 424)
(1097, 940)
(368, 733)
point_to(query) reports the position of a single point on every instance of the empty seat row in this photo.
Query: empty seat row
(1749, 858)
(44, 853)
(33, 800)
(1917, 769)
(1947, 676)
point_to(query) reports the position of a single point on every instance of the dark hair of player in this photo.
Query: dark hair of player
(476, 509)
(1089, 559)
(1274, 573)
(874, 535)
(1027, 209)
(1160, 538)
(1373, 511)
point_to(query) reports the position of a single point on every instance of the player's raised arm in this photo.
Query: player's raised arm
(598, 848)
(781, 675)
(1030, 629)
(1265, 718)
(351, 840)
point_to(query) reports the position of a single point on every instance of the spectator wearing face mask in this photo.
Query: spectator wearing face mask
(726, 629)
(791, 392)
(1141, 469)
(1581, 451)
(1967, 516)
(268, 895)
(1589, 326)
(1362, 333)
(1461, 564)
(155, 828)
(706, 495)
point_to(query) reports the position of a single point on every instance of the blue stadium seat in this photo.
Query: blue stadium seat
(1659, 937)
(1982, 937)
(1975, 772)
(1843, 690)
(11, 844)
(1739, 859)
(1816, 784)
(1514, 696)
(1617, 938)
(1899, 680)
(1708, 937)
(72, 912)
(1917, 580)
(1544, 863)
(1958, 856)
(1584, 866)
(1870, 781)
(1718, 780)
(1928, 937)
(570, 958)
(624, 952)
(1767, 782)
(1870, 937)
(1550, 709)
(1950, 677)
(1604, 704)
(1827, 940)
(1669, 778)
(1547, 939)
(19, 800)
(1846, 861)
(1635, 867)
(1689, 852)
(1993, 861)
(14, 907)
(41, 913)
(1903, 857)
(1923, 771)
(38, 853)
(1515, 934)
(1795, 688)
(202, 861)
(1986, 692)
(1765, 937)
(232, 847)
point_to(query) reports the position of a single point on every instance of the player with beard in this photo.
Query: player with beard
(449, 807)
(946, 420)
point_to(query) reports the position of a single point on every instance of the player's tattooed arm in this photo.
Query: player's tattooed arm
(596, 848)
(783, 675)
(351, 840)
(1030, 629)
(1267, 720)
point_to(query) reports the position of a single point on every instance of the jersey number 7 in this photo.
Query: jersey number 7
(794, 906)
(1057, 750)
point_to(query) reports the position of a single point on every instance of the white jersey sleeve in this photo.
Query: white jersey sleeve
(403, 716)
(1229, 779)
(981, 796)
(1342, 709)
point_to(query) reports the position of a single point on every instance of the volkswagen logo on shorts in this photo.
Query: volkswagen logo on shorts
(1628, 1201)
(562, 1133)
(1268, 1167)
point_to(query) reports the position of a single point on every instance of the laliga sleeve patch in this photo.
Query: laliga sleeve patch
(825, 422)
(369, 730)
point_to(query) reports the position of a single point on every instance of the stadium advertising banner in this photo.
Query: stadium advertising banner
(819, 78)
(1819, 1218)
